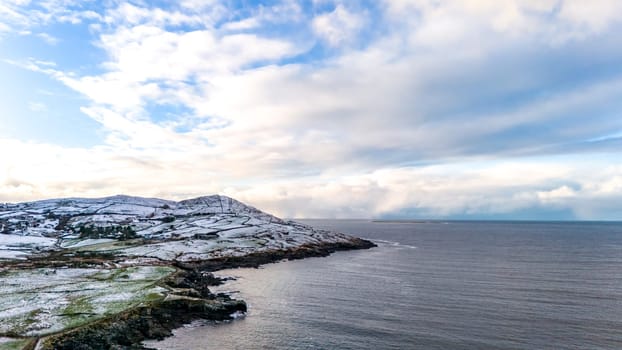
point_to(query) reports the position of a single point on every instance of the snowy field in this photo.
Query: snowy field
(37, 302)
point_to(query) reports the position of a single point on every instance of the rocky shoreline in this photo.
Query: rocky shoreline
(192, 300)
(156, 320)
(257, 259)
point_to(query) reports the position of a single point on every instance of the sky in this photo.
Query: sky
(457, 109)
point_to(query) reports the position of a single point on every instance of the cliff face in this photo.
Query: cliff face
(75, 270)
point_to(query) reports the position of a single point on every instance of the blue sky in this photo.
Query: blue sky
(318, 108)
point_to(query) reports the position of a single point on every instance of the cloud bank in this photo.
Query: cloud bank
(334, 109)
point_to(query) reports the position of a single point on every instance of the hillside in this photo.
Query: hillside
(131, 227)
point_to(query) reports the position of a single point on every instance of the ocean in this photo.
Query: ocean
(433, 285)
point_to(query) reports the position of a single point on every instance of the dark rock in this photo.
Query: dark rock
(265, 257)
(206, 235)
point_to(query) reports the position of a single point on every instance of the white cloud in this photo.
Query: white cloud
(129, 14)
(561, 193)
(51, 40)
(199, 5)
(247, 23)
(411, 119)
(145, 59)
(22, 16)
(338, 27)
(594, 16)
(473, 187)
(551, 21)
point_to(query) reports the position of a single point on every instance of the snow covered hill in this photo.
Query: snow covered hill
(84, 271)
(149, 228)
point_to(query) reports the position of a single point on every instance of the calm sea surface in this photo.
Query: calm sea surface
(453, 285)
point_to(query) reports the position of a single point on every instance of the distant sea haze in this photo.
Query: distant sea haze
(460, 285)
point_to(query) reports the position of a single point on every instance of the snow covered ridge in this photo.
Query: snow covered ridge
(148, 228)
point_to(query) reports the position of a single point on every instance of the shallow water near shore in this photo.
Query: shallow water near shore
(433, 285)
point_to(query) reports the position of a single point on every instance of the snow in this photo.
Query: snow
(36, 302)
(8, 254)
(194, 229)
(19, 246)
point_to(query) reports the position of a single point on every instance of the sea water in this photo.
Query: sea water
(433, 285)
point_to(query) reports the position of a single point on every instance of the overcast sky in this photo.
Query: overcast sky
(318, 108)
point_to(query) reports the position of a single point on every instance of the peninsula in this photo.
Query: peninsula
(111, 272)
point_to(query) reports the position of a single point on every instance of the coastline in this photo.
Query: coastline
(110, 272)
(190, 299)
